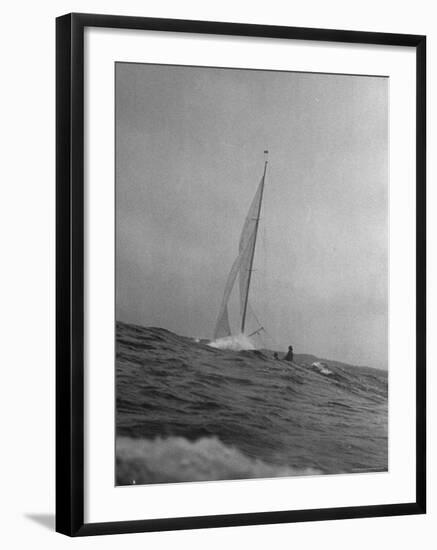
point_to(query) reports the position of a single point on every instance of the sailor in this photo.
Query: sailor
(289, 356)
(275, 355)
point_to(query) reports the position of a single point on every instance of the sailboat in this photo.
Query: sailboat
(243, 266)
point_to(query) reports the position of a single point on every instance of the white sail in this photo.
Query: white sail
(247, 250)
(223, 327)
(242, 266)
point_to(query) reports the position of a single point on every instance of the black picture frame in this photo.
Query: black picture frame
(70, 273)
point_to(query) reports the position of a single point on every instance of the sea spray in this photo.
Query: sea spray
(239, 342)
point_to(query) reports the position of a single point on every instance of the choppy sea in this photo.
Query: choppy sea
(186, 411)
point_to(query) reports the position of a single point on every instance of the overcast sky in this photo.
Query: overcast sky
(189, 156)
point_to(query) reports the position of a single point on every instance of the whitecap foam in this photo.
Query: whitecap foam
(176, 459)
(321, 367)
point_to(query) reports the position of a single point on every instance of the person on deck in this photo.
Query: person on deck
(289, 356)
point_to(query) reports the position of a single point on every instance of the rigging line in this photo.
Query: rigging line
(254, 314)
(274, 341)
(262, 328)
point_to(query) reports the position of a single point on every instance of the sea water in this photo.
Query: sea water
(187, 411)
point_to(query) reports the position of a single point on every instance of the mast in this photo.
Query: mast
(243, 318)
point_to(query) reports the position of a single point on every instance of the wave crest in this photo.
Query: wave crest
(176, 459)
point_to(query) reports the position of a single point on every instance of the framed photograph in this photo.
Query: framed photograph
(240, 274)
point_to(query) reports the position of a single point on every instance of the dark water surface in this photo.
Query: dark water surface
(189, 412)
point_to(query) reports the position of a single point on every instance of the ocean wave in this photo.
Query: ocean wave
(176, 459)
(331, 416)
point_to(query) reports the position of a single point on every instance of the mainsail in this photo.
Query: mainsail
(242, 265)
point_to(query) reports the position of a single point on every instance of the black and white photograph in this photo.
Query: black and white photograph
(251, 273)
